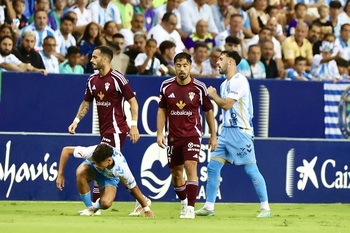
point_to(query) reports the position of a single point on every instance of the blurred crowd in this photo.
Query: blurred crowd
(277, 39)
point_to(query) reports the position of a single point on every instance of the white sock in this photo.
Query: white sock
(184, 202)
(264, 205)
(209, 206)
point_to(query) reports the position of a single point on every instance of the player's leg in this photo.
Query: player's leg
(108, 194)
(180, 187)
(260, 187)
(85, 174)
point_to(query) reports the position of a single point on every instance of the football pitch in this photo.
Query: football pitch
(61, 217)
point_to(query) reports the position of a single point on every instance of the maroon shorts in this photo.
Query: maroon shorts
(184, 149)
(116, 140)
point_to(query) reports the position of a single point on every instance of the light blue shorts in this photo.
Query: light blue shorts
(235, 146)
(101, 180)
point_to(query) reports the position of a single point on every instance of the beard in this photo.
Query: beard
(5, 53)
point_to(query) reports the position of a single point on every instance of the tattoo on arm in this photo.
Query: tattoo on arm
(83, 109)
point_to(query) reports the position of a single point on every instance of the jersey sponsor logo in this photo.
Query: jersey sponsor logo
(101, 95)
(180, 113)
(180, 104)
(172, 96)
(103, 103)
(157, 186)
(191, 95)
(193, 147)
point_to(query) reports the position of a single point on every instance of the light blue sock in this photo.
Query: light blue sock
(86, 198)
(258, 181)
(214, 170)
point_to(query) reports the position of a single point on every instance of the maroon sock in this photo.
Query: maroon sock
(181, 191)
(95, 194)
(192, 189)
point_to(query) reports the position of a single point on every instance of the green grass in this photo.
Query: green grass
(60, 217)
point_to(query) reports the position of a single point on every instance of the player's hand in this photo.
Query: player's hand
(211, 91)
(72, 127)
(60, 182)
(149, 214)
(161, 141)
(134, 134)
(213, 143)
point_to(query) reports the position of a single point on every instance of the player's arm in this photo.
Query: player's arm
(65, 154)
(209, 116)
(161, 117)
(134, 109)
(83, 110)
(225, 104)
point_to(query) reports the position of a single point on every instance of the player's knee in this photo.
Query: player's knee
(105, 203)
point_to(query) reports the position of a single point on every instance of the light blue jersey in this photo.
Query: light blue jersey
(241, 113)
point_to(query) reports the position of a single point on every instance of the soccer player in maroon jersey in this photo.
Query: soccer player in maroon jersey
(110, 89)
(178, 110)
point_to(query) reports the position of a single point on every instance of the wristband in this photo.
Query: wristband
(146, 208)
(76, 120)
(133, 123)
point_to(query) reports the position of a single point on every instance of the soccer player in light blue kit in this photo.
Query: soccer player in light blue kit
(236, 142)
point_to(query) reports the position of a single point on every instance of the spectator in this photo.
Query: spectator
(48, 55)
(222, 11)
(166, 31)
(139, 46)
(9, 62)
(145, 7)
(77, 31)
(236, 44)
(342, 43)
(57, 12)
(300, 15)
(312, 12)
(83, 15)
(64, 37)
(103, 11)
(328, 37)
(257, 15)
(200, 35)
(247, 31)
(298, 72)
(324, 66)
(272, 11)
(6, 30)
(297, 45)
(171, 6)
(147, 63)
(345, 15)
(71, 65)
(88, 42)
(110, 28)
(199, 68)
(334, 11)
(137, 25)
(272, 24)
(267, 35)
(167, 50)
(267, 53)
(120, 60)
(323, 20)
(194, 10)
(314, 34)
(252, 67)
(40, 27)
(343, 67)
(20, 20)
(44, 5)
(25, 51)
(212, 60)
(126, 12)
(236, 29)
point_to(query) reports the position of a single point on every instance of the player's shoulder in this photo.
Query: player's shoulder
(168, 81)
(119, 76)
(199, 84)
(92, 76)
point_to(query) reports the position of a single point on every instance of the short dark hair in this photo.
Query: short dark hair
(200, 45)
(48, 37)
(73, 50)
(299, 59)
(252, 46)
(167, 16)
(335, 4)
(105, 51)
(299, 4)
(67, 18)
(118, 35)
(232, 40)
(183, 55)
(6, 37)
(102, 152)
(343, 26)
(151, 40)
(232, 54)
(167, 44)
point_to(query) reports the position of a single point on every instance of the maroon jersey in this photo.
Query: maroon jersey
(182, 103)
(110, 93)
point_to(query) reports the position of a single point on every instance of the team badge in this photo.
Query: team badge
(191, 95)
(107, 86)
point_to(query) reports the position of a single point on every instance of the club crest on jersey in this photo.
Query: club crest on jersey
(180, 104)
(101, 95)
(191, 95)
(107, 86)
